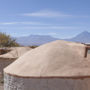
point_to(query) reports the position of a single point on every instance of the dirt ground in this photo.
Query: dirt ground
(1, 87)
(1, 84)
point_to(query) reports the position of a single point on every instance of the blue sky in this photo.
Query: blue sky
(58, 18)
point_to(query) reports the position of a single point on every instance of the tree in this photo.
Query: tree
(7, 41)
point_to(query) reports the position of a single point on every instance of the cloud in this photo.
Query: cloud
(50, 27)
(50, 33)
(46, 13)
(23, 23)
(7, 23)
(53, 14)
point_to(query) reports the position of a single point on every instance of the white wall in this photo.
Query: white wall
(16, 83)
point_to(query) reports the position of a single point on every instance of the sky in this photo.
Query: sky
(58, 18)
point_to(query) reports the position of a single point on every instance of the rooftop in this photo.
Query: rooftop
(55, 59)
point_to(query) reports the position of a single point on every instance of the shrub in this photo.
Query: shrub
(7, 41)
(33, 47)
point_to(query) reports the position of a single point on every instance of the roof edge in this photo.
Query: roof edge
(48, 77)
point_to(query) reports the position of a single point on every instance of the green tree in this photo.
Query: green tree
(7, 41)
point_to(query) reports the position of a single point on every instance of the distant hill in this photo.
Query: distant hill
(31, 40)
(83, 37)
(35, 40)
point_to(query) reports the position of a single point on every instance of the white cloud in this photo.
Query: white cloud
(50, 27)
(50, 33)
(7, 23)
(54, 14)
(23, 23)
(46, 13)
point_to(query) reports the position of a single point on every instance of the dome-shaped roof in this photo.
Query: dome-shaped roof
(15, 52)
(55, 59)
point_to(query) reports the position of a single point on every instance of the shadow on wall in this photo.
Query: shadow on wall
(5, 62)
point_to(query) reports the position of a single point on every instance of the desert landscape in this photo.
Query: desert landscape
(60, 64)
(45, 45)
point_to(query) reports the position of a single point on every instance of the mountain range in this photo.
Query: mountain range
(30, 40)
(83, 37)
(35, 40)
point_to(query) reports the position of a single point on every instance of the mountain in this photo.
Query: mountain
(83, 37)
(35, 40)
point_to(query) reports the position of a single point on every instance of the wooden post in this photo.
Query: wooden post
(86, 50)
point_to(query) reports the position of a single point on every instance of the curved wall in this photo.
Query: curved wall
(19, 83)
(4, 62)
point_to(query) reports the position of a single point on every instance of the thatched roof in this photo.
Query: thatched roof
(55, 59)
(15, 52)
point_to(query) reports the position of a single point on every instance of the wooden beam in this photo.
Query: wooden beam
(86, 50)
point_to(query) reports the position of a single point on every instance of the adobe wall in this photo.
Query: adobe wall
(4, 62)
(17, 83)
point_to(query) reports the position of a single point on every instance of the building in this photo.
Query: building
(58, 65)
(11, 56)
